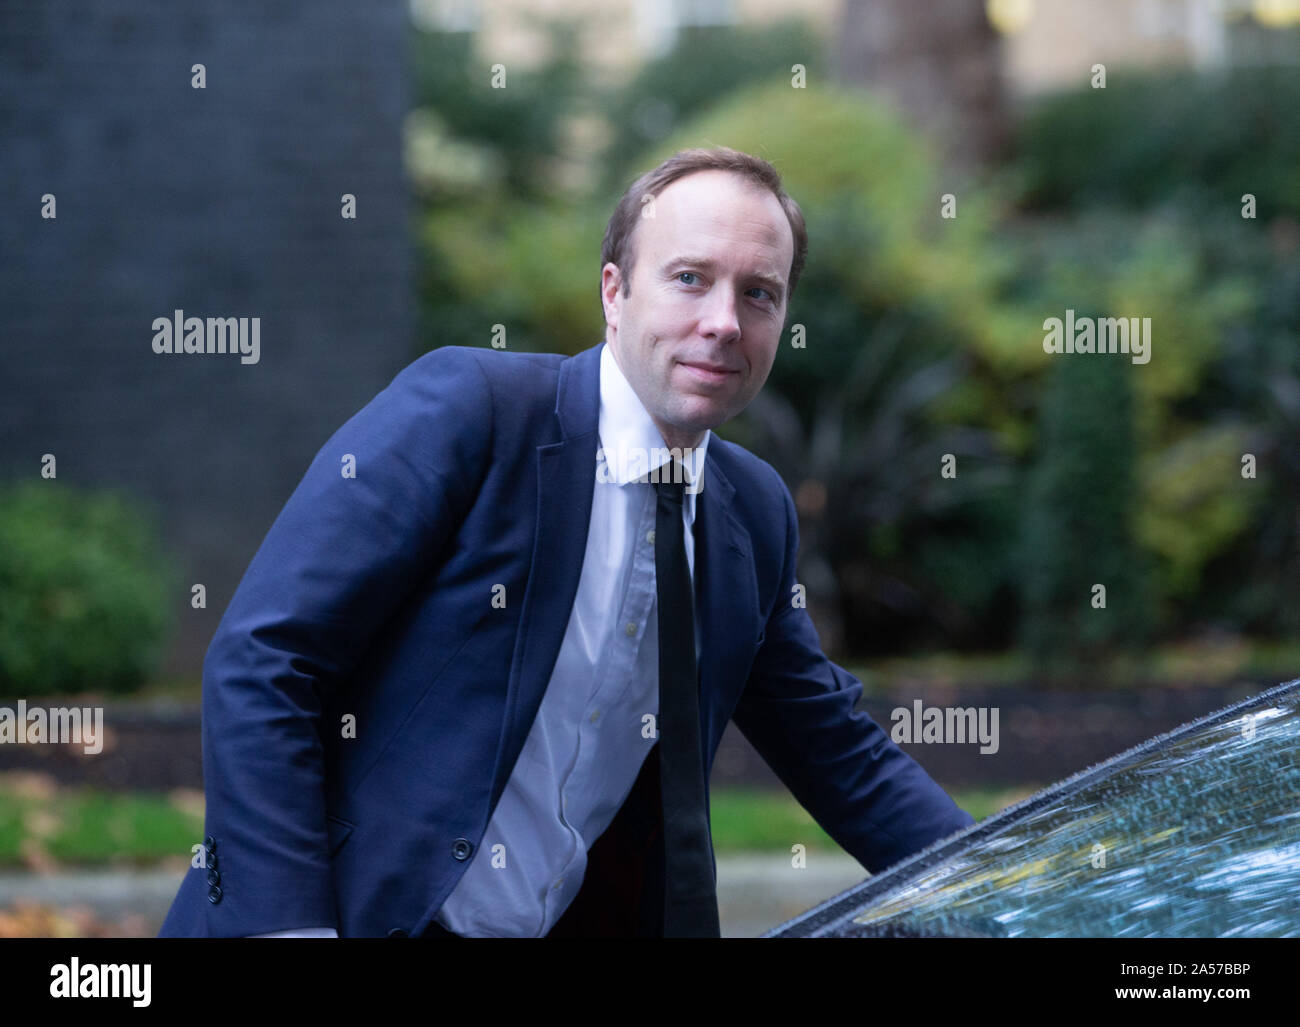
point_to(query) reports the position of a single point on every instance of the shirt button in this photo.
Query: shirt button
(559, 882)
(630, 629)
(595, 715)
(650, 536)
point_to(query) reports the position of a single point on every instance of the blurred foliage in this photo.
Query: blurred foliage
(483, 161)
(84, 592)
(533, 269)
(1253, 390)
(1195, 140)
(1078, 521)
(1105, 262)
(475, 136)
(709, 63)
(1131, 204)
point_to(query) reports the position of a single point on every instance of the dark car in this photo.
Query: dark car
(1194, 833)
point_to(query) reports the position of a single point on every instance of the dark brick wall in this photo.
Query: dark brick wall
(222, 201)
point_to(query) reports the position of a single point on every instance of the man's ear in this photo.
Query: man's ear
(611, 282)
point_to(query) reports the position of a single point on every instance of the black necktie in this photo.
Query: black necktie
(690, 892)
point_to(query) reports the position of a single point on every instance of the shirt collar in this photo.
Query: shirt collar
(631, 445)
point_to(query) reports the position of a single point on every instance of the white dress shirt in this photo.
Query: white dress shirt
(587, 743)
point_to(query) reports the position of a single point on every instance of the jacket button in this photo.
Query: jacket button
(397, 932)
(461, 848)
(210, 843)
(214, 877)
(214, 894)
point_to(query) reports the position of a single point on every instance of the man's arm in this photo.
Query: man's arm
(340, 557)
(797, 710)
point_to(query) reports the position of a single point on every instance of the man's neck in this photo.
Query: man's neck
(678, 440)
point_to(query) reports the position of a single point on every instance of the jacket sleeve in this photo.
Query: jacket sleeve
(798, 711)
(373, 510)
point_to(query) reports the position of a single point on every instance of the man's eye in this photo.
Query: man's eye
(687, 274)
(767, 294)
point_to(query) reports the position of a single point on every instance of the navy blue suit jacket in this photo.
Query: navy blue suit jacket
(371, 598)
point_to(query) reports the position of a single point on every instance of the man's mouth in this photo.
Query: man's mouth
(711, 374)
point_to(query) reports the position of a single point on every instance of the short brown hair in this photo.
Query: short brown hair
(617, 246)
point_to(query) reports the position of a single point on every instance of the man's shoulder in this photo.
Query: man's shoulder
(476, 383)
(497, 366)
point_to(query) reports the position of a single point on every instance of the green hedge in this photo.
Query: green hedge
(85, 592)
(1155, 137)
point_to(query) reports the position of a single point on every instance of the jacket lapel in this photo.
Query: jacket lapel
(726, 603)
(566, 479)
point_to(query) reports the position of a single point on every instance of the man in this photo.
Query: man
(455, 692)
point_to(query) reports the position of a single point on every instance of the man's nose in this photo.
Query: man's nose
(719, 317)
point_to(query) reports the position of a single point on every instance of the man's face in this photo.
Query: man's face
(697, 335)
